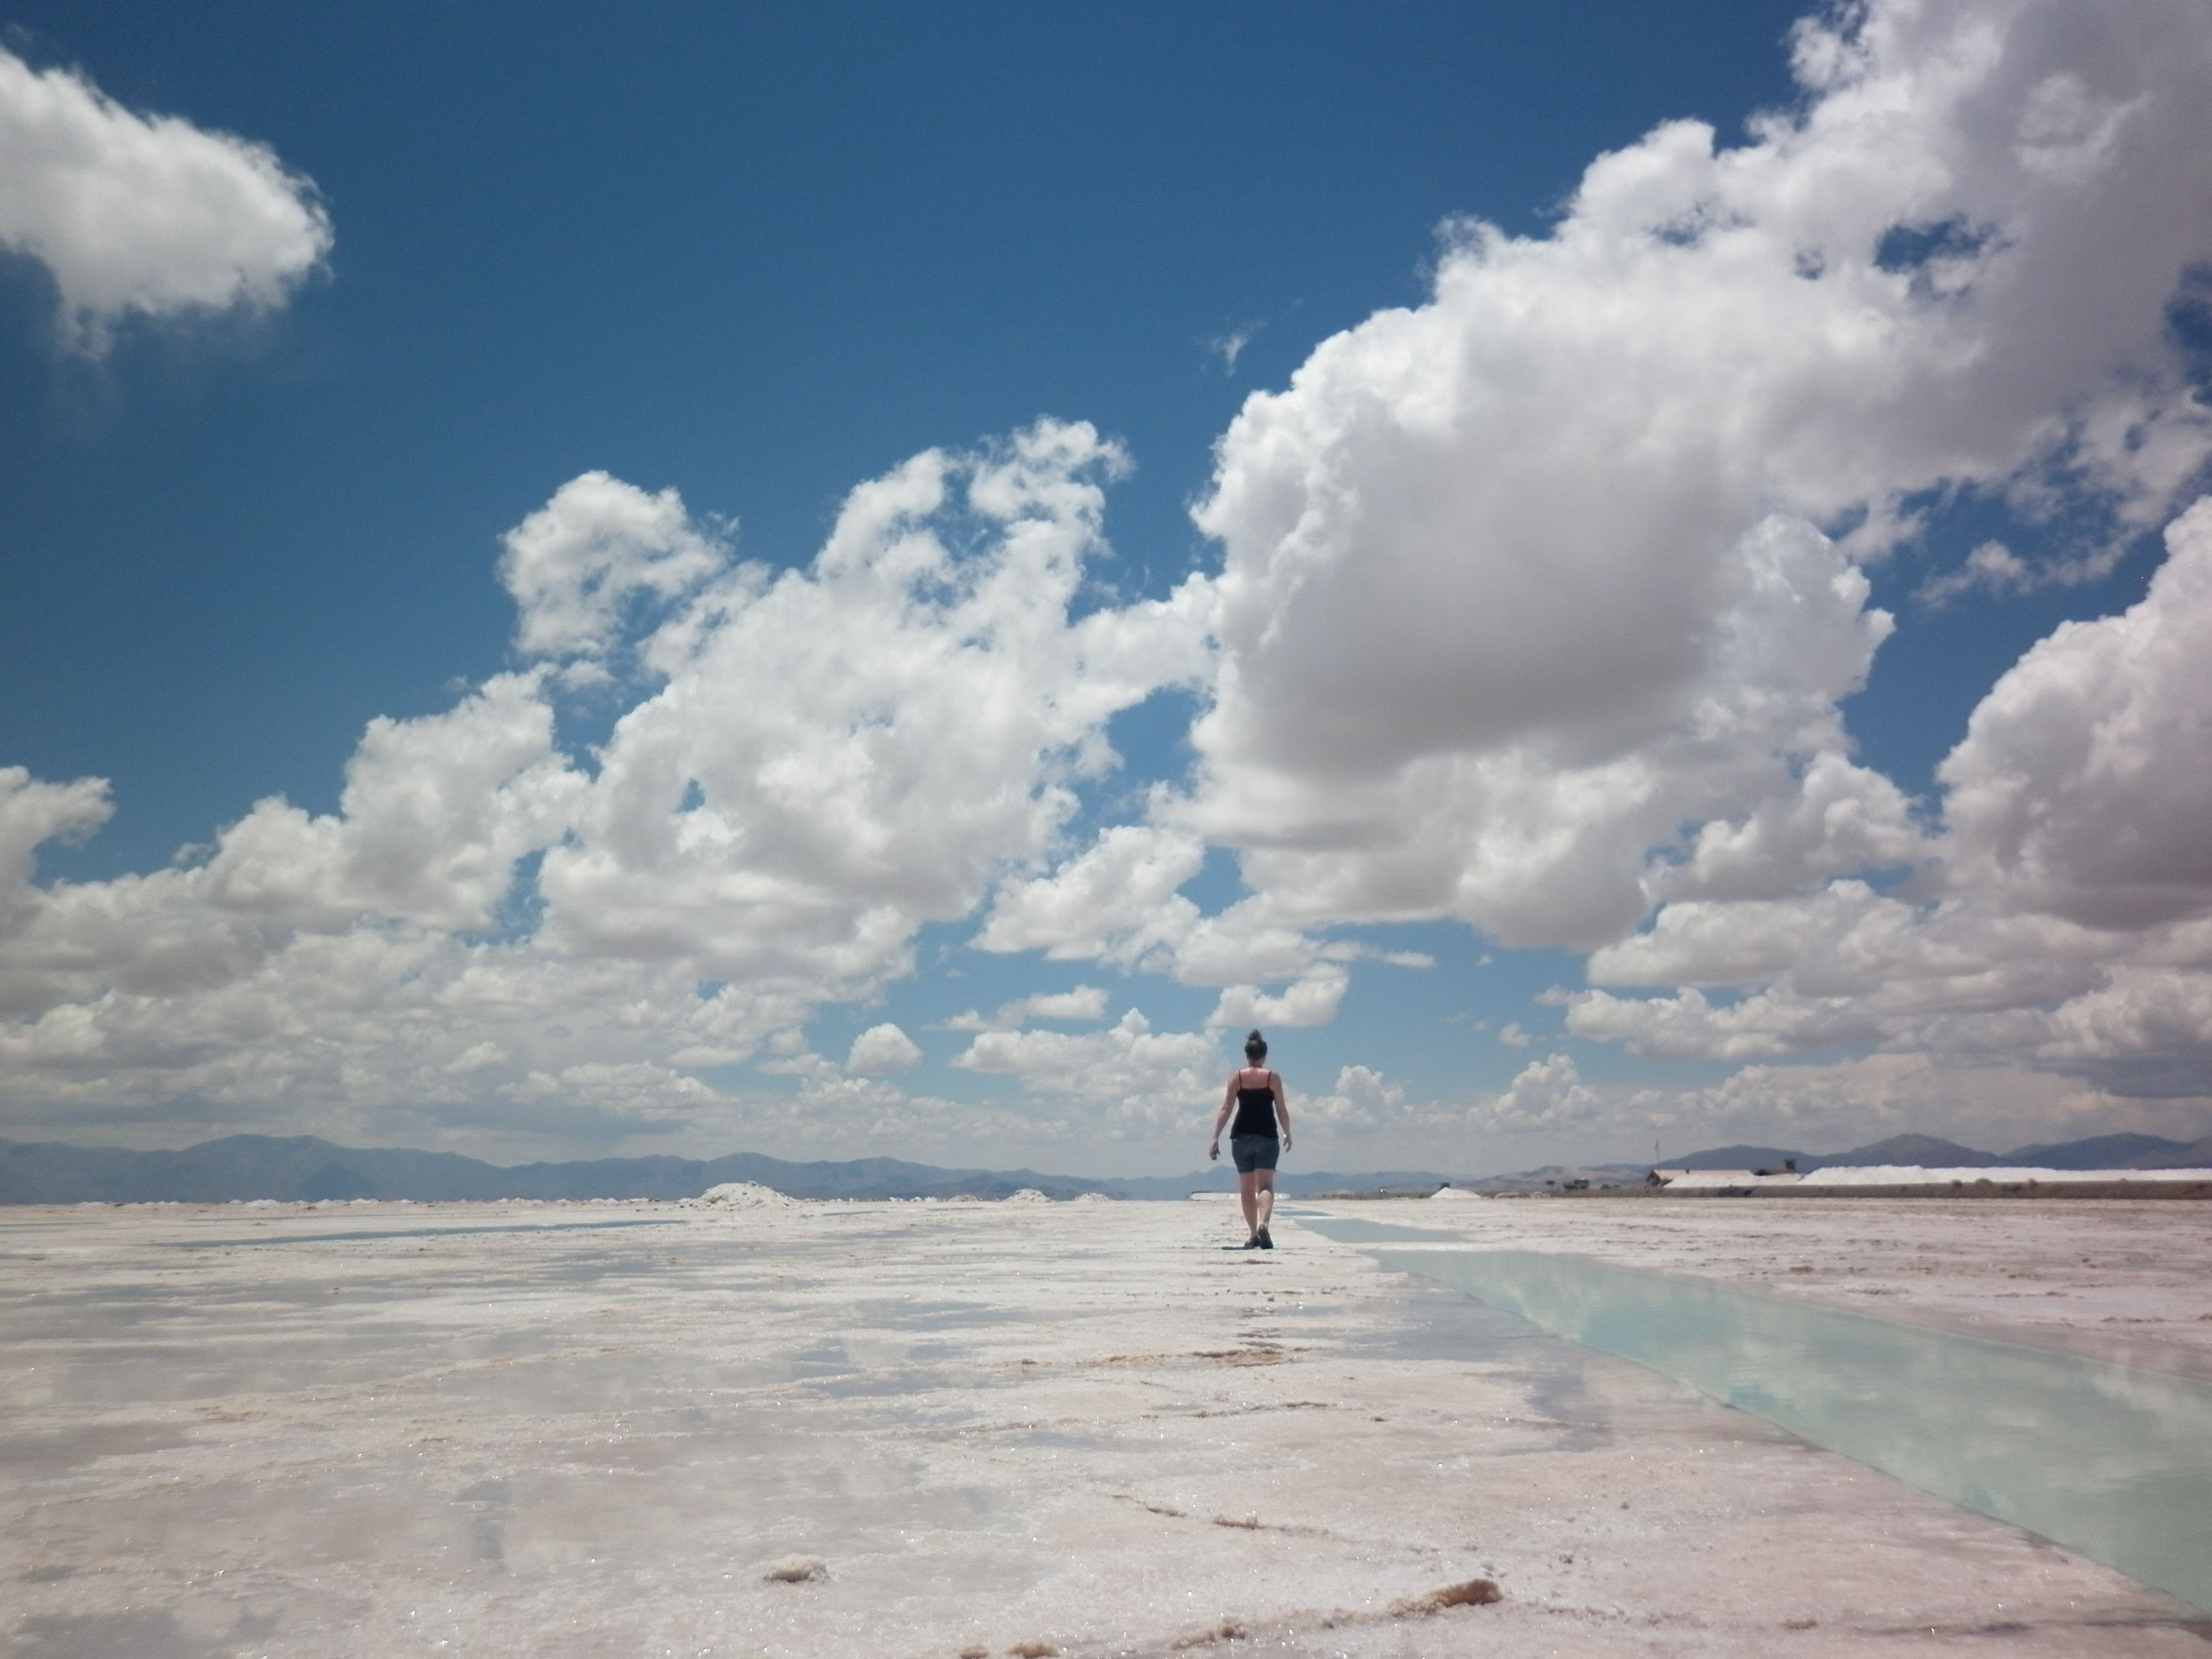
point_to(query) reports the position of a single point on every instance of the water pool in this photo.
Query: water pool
(2105, 1459)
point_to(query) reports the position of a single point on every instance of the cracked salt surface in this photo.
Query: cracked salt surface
(987, 1426)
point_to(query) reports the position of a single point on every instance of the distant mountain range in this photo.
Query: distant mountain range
(304, 1167)
(2096, 1152)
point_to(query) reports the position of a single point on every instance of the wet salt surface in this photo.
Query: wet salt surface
(2113, 1461)
(994, 1425)
(2125, 1282)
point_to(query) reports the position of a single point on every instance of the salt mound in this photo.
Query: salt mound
(746, 1195)
(1913, 1175)
(1027, 1195)
(1899, 1175)
(1091, 1198)
(1452, 1192)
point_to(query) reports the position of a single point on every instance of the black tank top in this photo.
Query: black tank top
(1256, 1110)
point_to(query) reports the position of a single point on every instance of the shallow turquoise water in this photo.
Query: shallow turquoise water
(2107, 1459)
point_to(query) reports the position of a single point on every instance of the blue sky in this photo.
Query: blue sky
(1560, 681)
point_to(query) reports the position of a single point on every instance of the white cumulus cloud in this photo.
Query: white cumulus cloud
(2071, 925)
(882, 1051)
(144, 215)
(1546, 1094)
(841, 753)
(1140, 1079)
(2084, 784)
(575, 564)
(1362, 1099)
(1310, 1001)
(1086, 1005)
(1116, 900)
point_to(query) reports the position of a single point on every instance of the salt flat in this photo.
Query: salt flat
(1087, 1428)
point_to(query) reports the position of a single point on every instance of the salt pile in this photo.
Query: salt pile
(1893, 1174)
(1027, 1195)
(1690, 1180)
(1909, 1175)
(745, 1196)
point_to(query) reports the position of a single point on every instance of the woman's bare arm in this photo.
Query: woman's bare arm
(1282, 1109)
(1228, 1105)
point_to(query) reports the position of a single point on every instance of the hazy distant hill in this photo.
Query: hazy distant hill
(298, 1167)
(2116, 1153)
(1739, 1158)
(1930, 1151)
(2196, 1155)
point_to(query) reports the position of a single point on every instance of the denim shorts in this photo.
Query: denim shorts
(1255, 1152)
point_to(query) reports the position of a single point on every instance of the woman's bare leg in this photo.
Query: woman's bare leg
(1248, 1194)
(1262, 1207)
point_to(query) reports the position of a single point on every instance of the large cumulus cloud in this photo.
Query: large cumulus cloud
(2081, 787)
(841, 753)
(2071, 920)
(1521, 581)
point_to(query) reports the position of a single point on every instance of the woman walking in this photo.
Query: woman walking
(1255, 1096)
